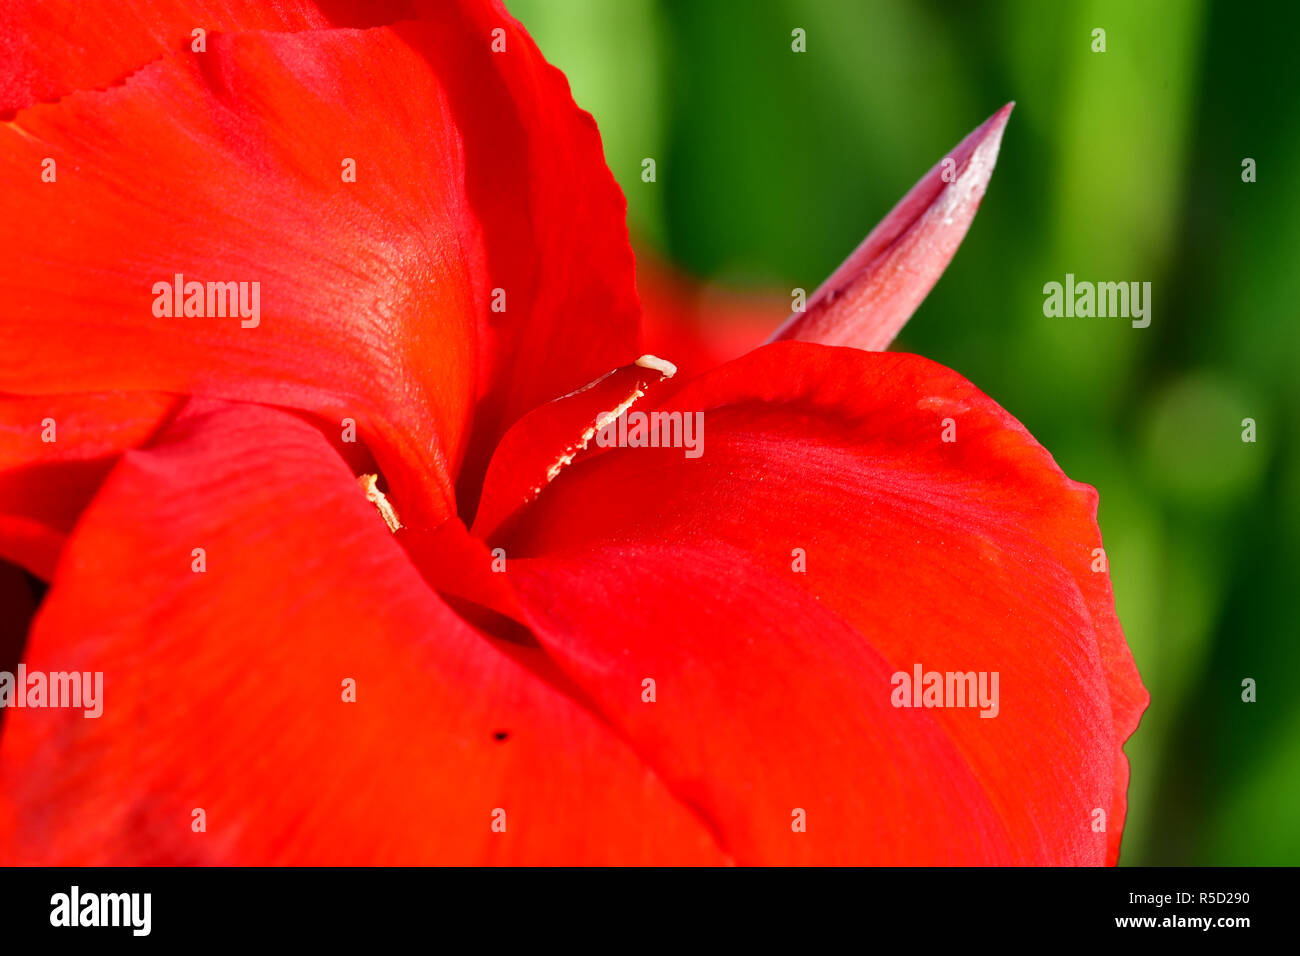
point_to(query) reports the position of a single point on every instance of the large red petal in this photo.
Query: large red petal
(222, 690)
(774, 684)
(481, 187)
(227, 166)
(870, 297)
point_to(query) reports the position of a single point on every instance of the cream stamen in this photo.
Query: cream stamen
(369, 484)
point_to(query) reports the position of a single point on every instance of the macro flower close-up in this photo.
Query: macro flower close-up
(347, 515)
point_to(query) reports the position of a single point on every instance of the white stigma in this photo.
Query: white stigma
(664, 367)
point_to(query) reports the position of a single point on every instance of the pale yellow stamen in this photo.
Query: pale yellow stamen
(588, 434)
(369, 484)
(664, 367)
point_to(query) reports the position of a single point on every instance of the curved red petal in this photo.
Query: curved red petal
(478, 263)
(829, 537)
(357, 298)
(550, 438)
(224, 689)
(866, 302)
(54, 452)
(51, 48)
(767, 712)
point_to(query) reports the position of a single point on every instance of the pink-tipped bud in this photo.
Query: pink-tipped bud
(870, 297)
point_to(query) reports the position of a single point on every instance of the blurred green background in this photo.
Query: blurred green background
(1123, 165)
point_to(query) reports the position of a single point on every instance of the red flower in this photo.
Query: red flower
(567, 652)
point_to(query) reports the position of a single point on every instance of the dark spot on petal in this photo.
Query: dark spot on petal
(501, 735)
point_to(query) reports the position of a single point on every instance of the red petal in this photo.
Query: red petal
(222, 689)
(774, 686)
(870, 297)
(52, 47)
(226, 167)
(45, 484)
(463, 569)
(554, 227)
(550, 438)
